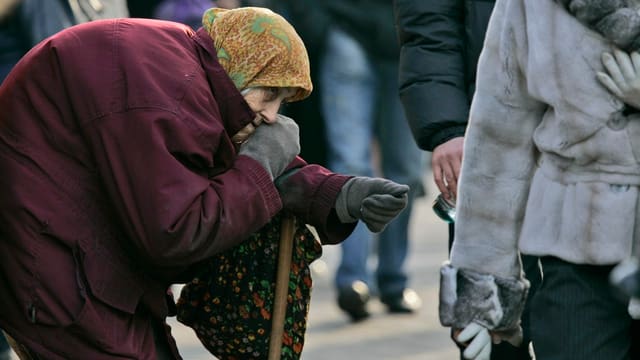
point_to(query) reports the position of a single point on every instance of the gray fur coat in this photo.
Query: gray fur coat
(551, 161)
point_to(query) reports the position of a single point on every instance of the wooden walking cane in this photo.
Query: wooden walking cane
(287, 230)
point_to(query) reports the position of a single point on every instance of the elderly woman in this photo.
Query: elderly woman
(125, 161)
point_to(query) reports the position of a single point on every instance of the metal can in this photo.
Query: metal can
(445, 209)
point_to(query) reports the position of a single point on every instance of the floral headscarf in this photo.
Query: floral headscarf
(258, 47)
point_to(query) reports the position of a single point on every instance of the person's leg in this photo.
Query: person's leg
(635, 340)
(575, 315)
(504, 350)
(20, 350)
(403, 162)
(346, 88)
(5, 350)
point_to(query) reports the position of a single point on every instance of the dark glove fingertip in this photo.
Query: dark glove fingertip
(386, 199)
(395, 187)
(402, 192)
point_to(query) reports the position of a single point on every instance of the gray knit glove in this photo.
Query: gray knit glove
(274, 145)
(375, 201)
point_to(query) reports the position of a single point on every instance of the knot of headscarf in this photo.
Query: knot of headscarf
(616, 20)
(258, 47)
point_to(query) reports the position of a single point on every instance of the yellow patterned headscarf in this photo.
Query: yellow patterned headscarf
(258, 47)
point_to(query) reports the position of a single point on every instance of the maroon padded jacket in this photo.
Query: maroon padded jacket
(118, 174)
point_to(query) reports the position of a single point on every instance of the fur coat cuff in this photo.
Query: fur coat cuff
(467, 296)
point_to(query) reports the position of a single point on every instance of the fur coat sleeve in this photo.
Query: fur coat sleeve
(483, 283)
(500, 155)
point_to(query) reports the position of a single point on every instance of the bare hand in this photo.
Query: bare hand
(445, 163)
(623, 76)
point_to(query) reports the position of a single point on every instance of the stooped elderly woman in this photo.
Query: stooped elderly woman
(125, 162)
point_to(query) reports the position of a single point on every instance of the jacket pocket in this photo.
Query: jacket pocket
(70, 282)
(100, 312)
(109, 283)
(107, 317)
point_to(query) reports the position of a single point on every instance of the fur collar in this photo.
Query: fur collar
(616, 20)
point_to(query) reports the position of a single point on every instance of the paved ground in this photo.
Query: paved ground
(331, 335)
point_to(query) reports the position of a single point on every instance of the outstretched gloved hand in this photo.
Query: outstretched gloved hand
(375, 201)
(477, 342)
(623, 76)
(274, 145)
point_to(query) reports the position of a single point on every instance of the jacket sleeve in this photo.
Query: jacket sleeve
(310, 193)
(499, 151)
(433, 85)
(484, 282)
(162, 173)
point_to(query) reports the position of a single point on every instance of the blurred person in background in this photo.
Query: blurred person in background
(5, 349)
(8, 57)
(189, 12)
(441, 41)
(358, 85)
(123, 174)
(310, 21)
(147, 8)
(142, 8)
(11, 49)
(24, 23)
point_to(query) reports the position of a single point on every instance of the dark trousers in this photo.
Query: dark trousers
(504, 350)
(4, 346)
(578, 316)
(5, 351)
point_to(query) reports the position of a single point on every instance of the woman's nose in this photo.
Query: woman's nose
(270, 114)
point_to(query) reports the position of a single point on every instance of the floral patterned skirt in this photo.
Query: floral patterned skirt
(229, 304)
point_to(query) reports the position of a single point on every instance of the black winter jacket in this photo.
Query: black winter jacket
(440, 44)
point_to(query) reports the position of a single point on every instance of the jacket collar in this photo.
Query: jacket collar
(234, 110)
(616, 20)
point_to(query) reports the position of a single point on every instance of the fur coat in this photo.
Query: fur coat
(552, 160)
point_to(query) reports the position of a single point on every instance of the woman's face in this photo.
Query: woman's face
(266, 101)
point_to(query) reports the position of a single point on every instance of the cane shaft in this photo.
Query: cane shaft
(282, 286)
